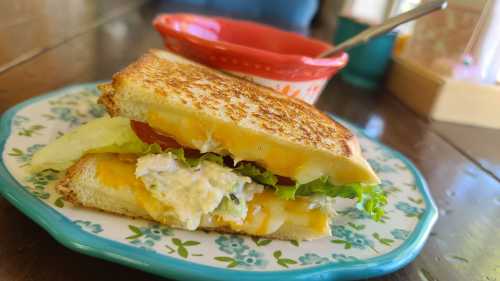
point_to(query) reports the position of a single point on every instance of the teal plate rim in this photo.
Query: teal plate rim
(73, 237)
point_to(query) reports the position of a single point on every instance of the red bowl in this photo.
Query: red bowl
(261, 53)
(280, 54)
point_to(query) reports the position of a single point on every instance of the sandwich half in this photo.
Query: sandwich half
(194, 148)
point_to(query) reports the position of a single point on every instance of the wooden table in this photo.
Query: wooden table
(47, 44)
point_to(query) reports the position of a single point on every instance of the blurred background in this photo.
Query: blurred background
(451, 58)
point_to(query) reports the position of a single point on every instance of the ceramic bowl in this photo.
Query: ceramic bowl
(281, 60)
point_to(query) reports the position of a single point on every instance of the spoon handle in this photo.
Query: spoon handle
(386, 26)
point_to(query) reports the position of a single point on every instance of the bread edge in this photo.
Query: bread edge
(64, 188)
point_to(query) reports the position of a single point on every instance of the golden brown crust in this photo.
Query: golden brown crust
(64, 185)
(106, 99)
(230, 99)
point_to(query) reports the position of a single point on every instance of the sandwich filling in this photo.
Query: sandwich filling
(208, 195)
(193, 188)
(191, 192)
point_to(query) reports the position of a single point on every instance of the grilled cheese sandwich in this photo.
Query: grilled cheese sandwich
(194, 148)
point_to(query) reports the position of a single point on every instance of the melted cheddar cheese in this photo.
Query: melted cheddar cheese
(118, 172)
(266, 212)
(282, 159)
(115, 173)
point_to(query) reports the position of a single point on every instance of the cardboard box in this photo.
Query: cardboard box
(445, 99)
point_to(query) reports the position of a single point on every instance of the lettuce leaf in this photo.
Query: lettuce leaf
(152, 149)
(257, 174)
(114, 135)
(231, 209)
(212, 157)
(106, 134)
(195, 161)
(369, 198)
(179, 154)
(286, 192)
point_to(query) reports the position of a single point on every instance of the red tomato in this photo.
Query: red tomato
(148, 135)
(285, 181)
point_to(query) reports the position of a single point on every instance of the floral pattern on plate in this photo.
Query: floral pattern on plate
(355, 237)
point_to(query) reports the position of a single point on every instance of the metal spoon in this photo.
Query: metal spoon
(386, 26)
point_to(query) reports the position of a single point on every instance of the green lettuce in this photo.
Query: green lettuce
(195, 161)
(257, 174)
(211, 157)
(369, 198)
(286, 192)
(106, 134)
(179, 154)
(230, 207)
(114, 135)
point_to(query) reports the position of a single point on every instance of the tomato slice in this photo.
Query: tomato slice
(149, 135)
(285, 181)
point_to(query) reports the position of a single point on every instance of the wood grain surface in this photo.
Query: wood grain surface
(460, 163)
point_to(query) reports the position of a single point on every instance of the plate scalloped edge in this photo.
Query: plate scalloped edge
(72, 236)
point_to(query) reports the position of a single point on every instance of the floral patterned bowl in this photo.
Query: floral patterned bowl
(281, 60)
(358, 248)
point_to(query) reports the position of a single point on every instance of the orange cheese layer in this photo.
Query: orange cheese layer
(118, 172)
(266, 212)
(286, 160)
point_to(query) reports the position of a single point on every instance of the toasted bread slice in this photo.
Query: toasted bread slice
(84, 186)
(81, 187)
(211, 111)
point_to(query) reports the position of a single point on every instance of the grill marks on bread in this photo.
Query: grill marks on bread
(232, 99)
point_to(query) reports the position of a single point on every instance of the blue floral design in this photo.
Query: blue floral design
(341, 231)
(251, 259)
(89, 226)
(388, 187)
(380, 167)
(19, 120)
(311, 258)
(146, 237)
(32, 149)
(400, 234)
(144, 244)
(240, 254)
(354, 213)
(350, 238)
(30, 131)
(65, 114)
(156, 232)
(40, 181)
(231, 245)
(67, 108)
(96, 110)
(360, 241)
(25, 157)
(386, 183)
(343, 258)
(409, 210)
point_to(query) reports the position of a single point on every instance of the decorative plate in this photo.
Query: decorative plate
(358, 248)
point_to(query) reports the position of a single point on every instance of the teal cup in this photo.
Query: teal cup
(367, 62)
